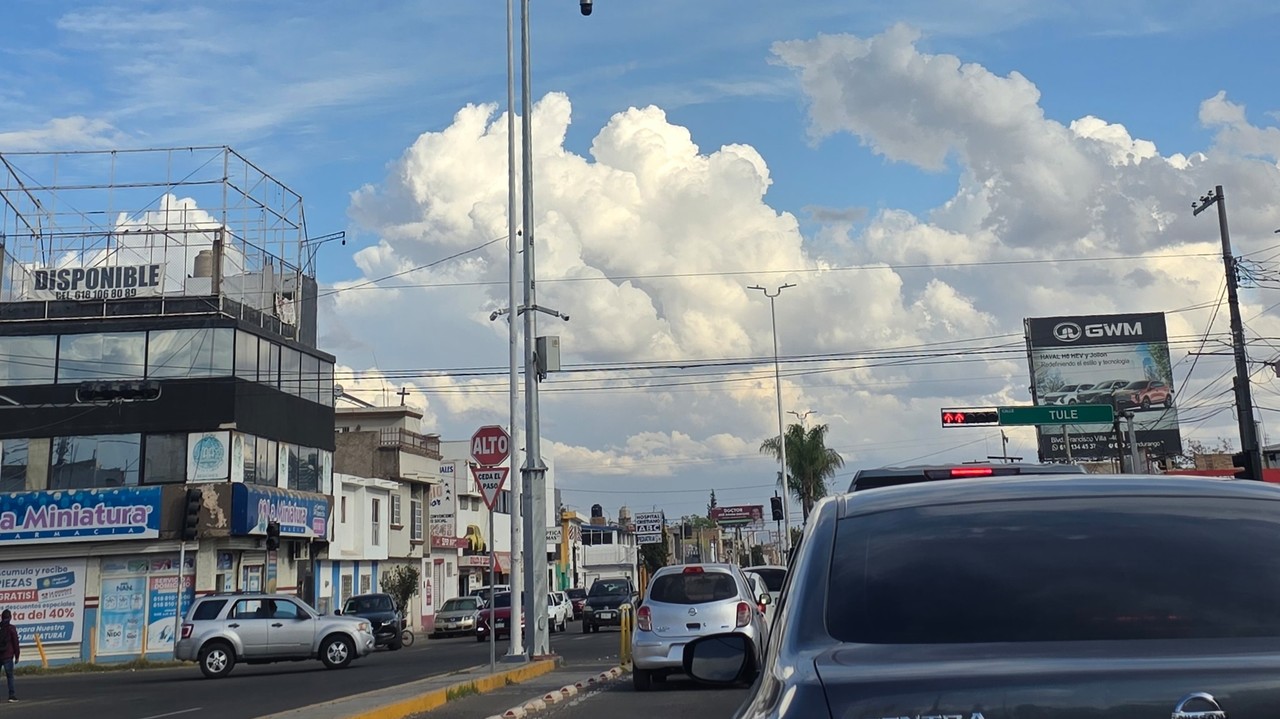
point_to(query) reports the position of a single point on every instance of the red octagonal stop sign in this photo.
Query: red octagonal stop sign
(490, 445)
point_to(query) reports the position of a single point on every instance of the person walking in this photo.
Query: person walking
(9, 649)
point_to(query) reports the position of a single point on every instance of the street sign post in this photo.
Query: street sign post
(649, 527)
(490, 445)
(1061, 414)
(490, 481)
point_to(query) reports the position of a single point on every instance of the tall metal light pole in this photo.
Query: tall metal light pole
(782, 437)
(1244, 397)
(516, 648)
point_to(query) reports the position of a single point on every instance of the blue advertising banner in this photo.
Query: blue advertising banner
(80, 515)
(302, 515)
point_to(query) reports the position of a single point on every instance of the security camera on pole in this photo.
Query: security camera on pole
(490, 447)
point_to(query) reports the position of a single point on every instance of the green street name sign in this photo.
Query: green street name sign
(1062, 414)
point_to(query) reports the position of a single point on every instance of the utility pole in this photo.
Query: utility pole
(782, 436)
(515, 650)
(1244, 397)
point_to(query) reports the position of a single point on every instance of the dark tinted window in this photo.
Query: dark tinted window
(1140, 384)
(209, 609)
(577, 593)
(1054, 570)
(502, 600)
(773, 578)
(604, 587)
(697, 588)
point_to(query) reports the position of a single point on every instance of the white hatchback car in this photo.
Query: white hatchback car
(689, 601)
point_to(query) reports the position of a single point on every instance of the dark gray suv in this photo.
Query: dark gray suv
(1118, 596)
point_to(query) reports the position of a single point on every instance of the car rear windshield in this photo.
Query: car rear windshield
(773, 578)
(1058, 570)
(502, 600)
(208, 609)
(697, 588)
(577, 593)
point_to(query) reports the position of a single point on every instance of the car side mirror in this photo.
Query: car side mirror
(337, 612)
(718, 659)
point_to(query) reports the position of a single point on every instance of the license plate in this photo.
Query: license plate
(500, 625)
(606, 615)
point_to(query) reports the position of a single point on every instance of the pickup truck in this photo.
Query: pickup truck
(602, 606)
(1115, 597)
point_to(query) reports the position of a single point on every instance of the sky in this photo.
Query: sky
(926, 174)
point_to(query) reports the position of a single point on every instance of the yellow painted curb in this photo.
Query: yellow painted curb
(437, 698)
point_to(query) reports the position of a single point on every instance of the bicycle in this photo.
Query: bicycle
(406, 637)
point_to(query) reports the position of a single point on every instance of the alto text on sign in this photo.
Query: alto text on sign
(490, 445)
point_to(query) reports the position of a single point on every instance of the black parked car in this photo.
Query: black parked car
(380, 610)
(1119, 596)
(601, 608)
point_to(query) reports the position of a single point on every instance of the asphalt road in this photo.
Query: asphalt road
(253, 691)
(676, 697)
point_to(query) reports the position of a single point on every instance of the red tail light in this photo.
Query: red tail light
(692, 570)
(187, 629)
(761, 607)
(644, 620)
(972, 472)
(744, 614)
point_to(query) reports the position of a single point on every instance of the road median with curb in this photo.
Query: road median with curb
(421, 696)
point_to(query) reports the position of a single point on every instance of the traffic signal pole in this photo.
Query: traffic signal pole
(1244, 396)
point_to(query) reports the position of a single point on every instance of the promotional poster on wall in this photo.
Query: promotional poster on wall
(46, 598)
(137, 602)
(1118, 360)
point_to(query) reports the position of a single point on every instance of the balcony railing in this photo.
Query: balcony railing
(403, 439)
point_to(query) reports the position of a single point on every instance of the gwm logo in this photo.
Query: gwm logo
(1070, 331)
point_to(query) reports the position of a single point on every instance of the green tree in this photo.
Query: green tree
(810, 463)
(401, 582)
(655, 556)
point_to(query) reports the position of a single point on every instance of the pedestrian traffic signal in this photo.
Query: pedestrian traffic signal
(775, 504)
(118, 391)
(191, 514)
(273, 536)
(970, 417)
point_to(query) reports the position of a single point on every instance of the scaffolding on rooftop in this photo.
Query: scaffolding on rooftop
(227, 236)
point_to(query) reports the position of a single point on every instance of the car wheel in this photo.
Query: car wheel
(396, 644)
(642, 679)
(1146, 403)
(337, 652)
(659, 677)
(480, 638)
(1168, 402)
(217, 659)
(586, 628)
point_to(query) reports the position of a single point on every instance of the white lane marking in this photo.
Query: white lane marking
(174, 714)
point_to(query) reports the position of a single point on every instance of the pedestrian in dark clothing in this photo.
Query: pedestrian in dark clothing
(9, 649)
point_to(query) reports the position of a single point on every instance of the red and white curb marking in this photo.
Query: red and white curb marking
(562, 694)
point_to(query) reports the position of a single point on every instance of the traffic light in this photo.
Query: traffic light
(191, 513)
(970, 418)
(139, 390)
(273, 536)
(1247, 465)
(775, 504)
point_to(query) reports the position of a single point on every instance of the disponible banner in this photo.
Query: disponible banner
(46, 598)
(1118, 360)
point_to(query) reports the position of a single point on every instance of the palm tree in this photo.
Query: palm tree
(810, 463)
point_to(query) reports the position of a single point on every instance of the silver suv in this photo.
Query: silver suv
(686, 602)
(223, 629)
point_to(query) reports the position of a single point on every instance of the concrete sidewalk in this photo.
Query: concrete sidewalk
(424, 695)
(516, 701)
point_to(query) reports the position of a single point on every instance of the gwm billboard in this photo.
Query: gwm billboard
(1120, 360)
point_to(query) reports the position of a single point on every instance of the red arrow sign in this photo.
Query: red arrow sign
(490, 445)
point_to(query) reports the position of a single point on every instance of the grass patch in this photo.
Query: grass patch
(455, 693)
(87, 668)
